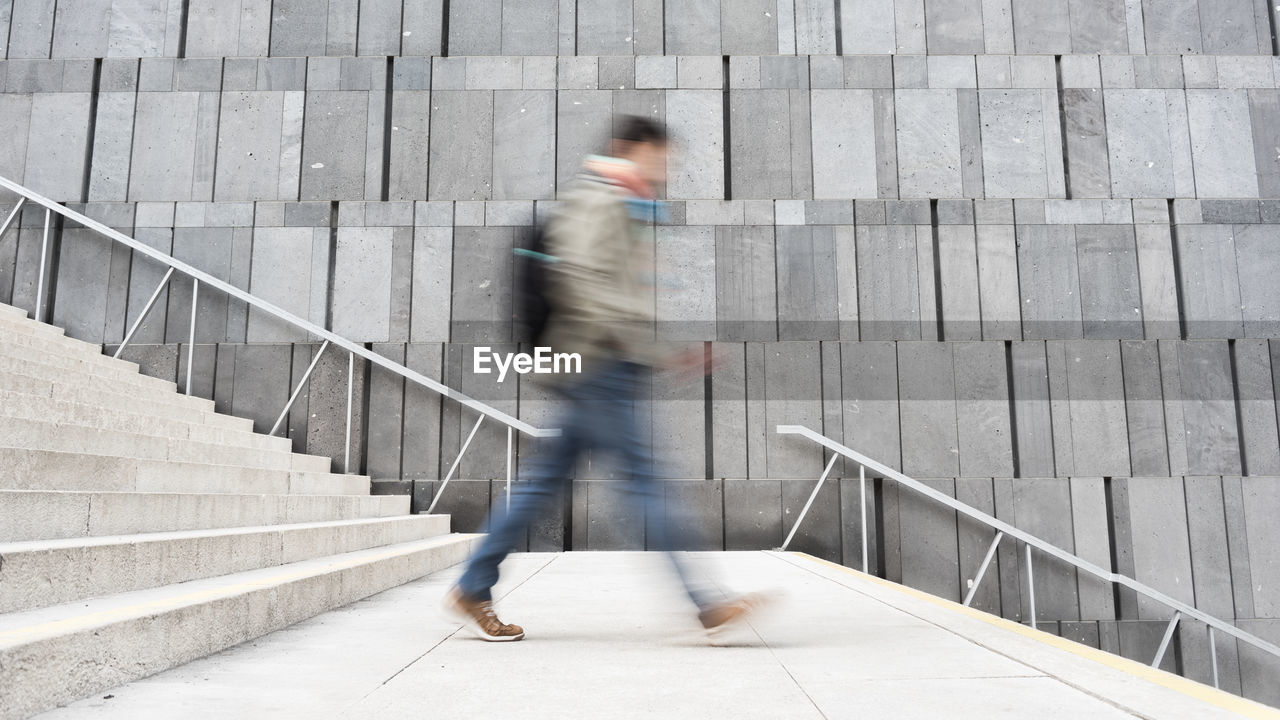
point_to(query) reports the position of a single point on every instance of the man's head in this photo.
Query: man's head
(643, 142)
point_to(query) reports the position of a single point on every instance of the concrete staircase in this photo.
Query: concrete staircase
(140, 530)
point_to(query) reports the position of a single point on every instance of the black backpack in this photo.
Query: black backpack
(530, 307)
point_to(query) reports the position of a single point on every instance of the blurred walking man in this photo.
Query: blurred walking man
(602, 311)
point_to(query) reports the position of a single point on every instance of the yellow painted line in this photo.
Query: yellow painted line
(1191, 688)
(93, 619)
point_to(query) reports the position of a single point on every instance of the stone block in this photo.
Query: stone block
(844, 144)
(1110, 300)
(334, 149)
(289, 270)
(752, 514)
(954, 28)
(582, 127)
(686, 296)
(524, 137)
(462, 136)
(807, 283)
(888, 283)
(696, 116)
(928, 134)
(1222, 143)
(1211, 303)
(1049, 280)
(1016, 143)
(1099, 26)
(926, 387)
(1208, 408)
(982, 410)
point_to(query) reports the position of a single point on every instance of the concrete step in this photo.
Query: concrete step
(26, 407)
(41, 573)
(68, 369)
(40, 343)
(49, 514)
(19, 320)
(166, 403)
(25, 469)
(66, 437)
(55, 655)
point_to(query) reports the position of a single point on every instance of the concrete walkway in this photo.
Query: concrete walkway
(609, 636)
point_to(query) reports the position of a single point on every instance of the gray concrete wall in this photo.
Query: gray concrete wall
(1020, 250)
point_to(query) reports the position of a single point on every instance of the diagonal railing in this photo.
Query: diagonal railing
(200, 278)
(1002, 528)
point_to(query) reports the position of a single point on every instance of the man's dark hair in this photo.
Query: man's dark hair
(637, 129)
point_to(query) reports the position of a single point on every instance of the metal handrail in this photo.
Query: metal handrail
(1003, 528)
(200, 278)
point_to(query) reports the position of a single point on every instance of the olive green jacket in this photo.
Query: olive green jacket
(601, 305)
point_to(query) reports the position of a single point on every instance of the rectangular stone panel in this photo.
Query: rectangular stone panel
(998, 282)
(334, 152)
(806, 277)
(1038, 505)
(760, 132)
(1099, 26)
(954, 28)
(1264, 113)
(524, 136)
(1015, 143)
(1110, 300)
(1208, 406)
(410, 145)
(746, 290)
(1172, 26)
(582, 127)
(1099, 427)
(697, 118)
(844, 144)
(290, 270)
(1144, 408)
(792, 395)
(1086, 139)
(928, 144)
(30, 28)
(961, 303)
(362, 291)
(1161, 550)
(752, 514)
(1257, 408)
(1092, 540)
(1049, 278)
(927, 389)
(1222, 143)
(481, 285)
(1031, 411)
(462, 133)
(1158, 282)
(1042, 28)
(888, 282)
(982, 410)
(929, 545)
(870, 422)
(1256, 264)
(686, 292)
(1211, 306)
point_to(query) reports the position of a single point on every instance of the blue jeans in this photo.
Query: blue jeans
(599, 414)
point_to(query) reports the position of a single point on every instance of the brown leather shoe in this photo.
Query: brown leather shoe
(478, 617)
(726, 613)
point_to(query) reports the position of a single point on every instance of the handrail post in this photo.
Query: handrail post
(456, 460)
(1168, 635)
(351, 379)
(862, 489)
(1031, 586)
(809, 502)
(191, 336)
(22, 200)
(145, 311)
(509, 432)
(982, 570)
(1213, 656)
(44, 261)
(305, 376)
